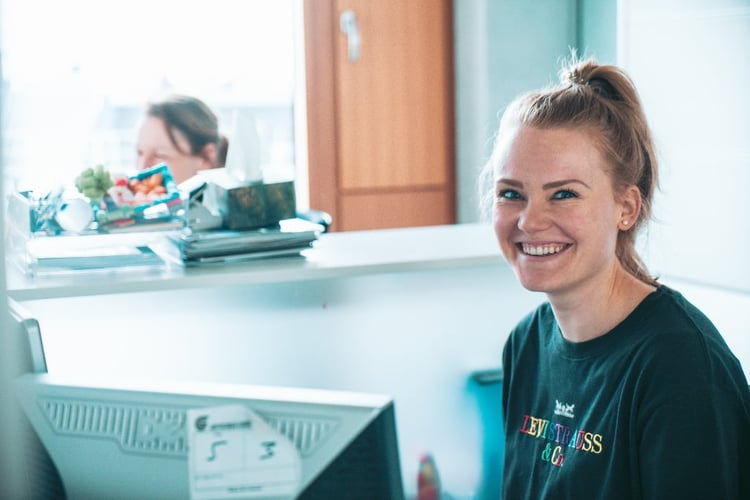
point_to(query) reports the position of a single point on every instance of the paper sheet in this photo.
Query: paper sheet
(234, 454)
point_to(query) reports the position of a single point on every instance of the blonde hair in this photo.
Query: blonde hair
(602, 100)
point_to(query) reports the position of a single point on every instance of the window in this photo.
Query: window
(77, 75)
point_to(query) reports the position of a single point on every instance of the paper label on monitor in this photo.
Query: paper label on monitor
(234, 453)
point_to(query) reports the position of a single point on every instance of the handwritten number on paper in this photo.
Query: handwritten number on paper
(268, 447)
(214, 446)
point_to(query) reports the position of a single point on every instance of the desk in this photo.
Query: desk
(406, 312)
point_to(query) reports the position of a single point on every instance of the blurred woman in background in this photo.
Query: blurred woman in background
(183, 132)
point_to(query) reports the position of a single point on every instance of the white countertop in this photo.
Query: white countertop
(333, 255)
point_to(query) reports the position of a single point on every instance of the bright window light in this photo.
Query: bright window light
(77, 75)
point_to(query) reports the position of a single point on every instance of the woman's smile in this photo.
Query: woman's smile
(543, 249)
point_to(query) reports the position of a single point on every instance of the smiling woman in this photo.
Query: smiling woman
(602, 379)
(78, 101)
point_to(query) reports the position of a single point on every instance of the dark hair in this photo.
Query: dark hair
(195, 120)
(603, 100)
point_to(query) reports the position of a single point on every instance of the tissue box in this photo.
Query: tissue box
(249, 205)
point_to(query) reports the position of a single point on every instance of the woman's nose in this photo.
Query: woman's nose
(143, 162)
(533, 217)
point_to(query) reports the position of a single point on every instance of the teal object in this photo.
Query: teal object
(168, 181)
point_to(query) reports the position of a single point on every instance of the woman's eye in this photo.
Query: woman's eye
(508, 194)
(564, 194)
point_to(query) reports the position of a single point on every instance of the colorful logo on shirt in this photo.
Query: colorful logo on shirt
(560, 438)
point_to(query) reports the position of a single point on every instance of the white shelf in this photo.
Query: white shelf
(333, 255)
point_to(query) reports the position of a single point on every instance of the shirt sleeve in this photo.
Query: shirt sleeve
(692, 445)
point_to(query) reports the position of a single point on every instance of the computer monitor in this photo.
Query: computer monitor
(129, 440)
(40, 478)
(26, 339)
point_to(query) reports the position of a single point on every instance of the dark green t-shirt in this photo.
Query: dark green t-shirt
(657, 408)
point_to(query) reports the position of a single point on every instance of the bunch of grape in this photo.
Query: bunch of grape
(94, 182)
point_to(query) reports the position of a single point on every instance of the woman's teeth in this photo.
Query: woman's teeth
(541, 249)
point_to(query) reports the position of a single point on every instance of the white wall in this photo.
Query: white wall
(690, 63)
(415, 335)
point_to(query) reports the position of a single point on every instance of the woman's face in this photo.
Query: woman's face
(155, 146)
(556, 216)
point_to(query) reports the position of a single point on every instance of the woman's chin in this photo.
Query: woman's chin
(535, 283)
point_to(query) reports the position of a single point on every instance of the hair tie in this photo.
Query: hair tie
(575, 78)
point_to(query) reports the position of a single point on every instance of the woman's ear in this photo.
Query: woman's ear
(208, 153)
(630, 207)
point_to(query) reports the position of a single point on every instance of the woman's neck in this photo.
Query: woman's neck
(586, 314)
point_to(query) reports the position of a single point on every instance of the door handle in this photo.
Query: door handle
(350, 28)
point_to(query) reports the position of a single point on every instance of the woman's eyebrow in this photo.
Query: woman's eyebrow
(509, 182)
(557, 184)
(549, 185)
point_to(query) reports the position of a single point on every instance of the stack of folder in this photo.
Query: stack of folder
(289, 237)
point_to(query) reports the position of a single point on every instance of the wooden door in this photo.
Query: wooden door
(381, 128)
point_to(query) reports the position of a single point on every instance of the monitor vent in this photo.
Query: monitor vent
(305, 433)
(161, 431)
(137, 430)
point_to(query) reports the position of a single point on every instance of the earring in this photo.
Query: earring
(624, 223)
